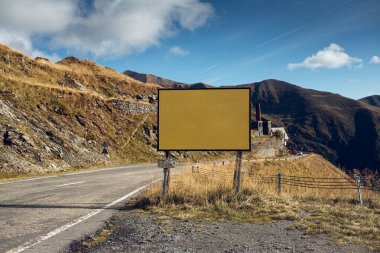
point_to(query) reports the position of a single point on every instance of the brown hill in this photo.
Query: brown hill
(372, 100)
(345, 131)
(163, 82)
(149, 78)
(57, 116)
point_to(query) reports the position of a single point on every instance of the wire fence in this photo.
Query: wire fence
(280, 181)
(300, 181)
(307, 182)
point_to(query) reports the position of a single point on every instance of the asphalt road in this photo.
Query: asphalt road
(46, 214)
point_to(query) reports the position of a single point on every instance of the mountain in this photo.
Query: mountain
(57, 116)
(163, 82)
(345, 131)
(372, 100)
(149, 78)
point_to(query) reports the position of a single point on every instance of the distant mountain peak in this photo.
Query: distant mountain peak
(149, 78)
(371, 100)
(163, 82)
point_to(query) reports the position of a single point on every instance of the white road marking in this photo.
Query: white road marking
(24, 180)
(76, 173)
(56, 231)
(80, 182)
(52, 189)
(139, 172)
(100, 170)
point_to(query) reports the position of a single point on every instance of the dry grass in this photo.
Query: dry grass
(95, 80)
(325, 181)
(209, 195)
(100, 236)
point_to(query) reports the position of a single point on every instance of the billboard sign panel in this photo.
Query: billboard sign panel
(214, 119)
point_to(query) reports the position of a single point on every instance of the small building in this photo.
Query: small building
(258, 128)
(267, 127)
(283, 131)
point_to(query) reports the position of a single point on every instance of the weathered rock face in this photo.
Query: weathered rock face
(56, 116)
(14, 137)
(133, 108)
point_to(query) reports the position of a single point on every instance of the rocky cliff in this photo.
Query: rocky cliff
(57, 116)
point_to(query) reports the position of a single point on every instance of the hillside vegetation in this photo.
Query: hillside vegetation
(208, 194)
(56, 116)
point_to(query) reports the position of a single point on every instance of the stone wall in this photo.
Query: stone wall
(133, 108)
(269, 148)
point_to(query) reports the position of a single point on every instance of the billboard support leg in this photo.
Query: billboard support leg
(237, 173)
(165, 183)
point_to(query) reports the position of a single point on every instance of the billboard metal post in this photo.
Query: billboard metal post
(165, 183)
(237, 173)
(166, 165)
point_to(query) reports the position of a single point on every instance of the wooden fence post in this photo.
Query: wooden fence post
(213, 174)
(360, 192)
(279, 183)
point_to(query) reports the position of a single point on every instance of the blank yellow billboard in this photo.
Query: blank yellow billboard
(205, 119)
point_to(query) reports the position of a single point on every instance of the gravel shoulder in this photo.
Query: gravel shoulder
(131, 231)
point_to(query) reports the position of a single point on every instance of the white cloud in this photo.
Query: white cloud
(109, 28)
(20, 20)
(23, 43)
(331, 57)
(37, 16)
(375, 60)
(178, 51)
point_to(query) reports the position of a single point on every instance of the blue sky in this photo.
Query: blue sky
(324, 45)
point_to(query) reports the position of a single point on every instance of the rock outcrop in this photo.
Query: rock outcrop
(134, 108)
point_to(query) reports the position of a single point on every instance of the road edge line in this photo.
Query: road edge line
(56, 231)
(76, 173)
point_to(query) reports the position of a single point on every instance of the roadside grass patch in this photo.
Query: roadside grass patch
(208, 195)
(99, 237)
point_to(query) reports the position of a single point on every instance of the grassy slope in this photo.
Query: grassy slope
(66, 112)
(209, 195)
